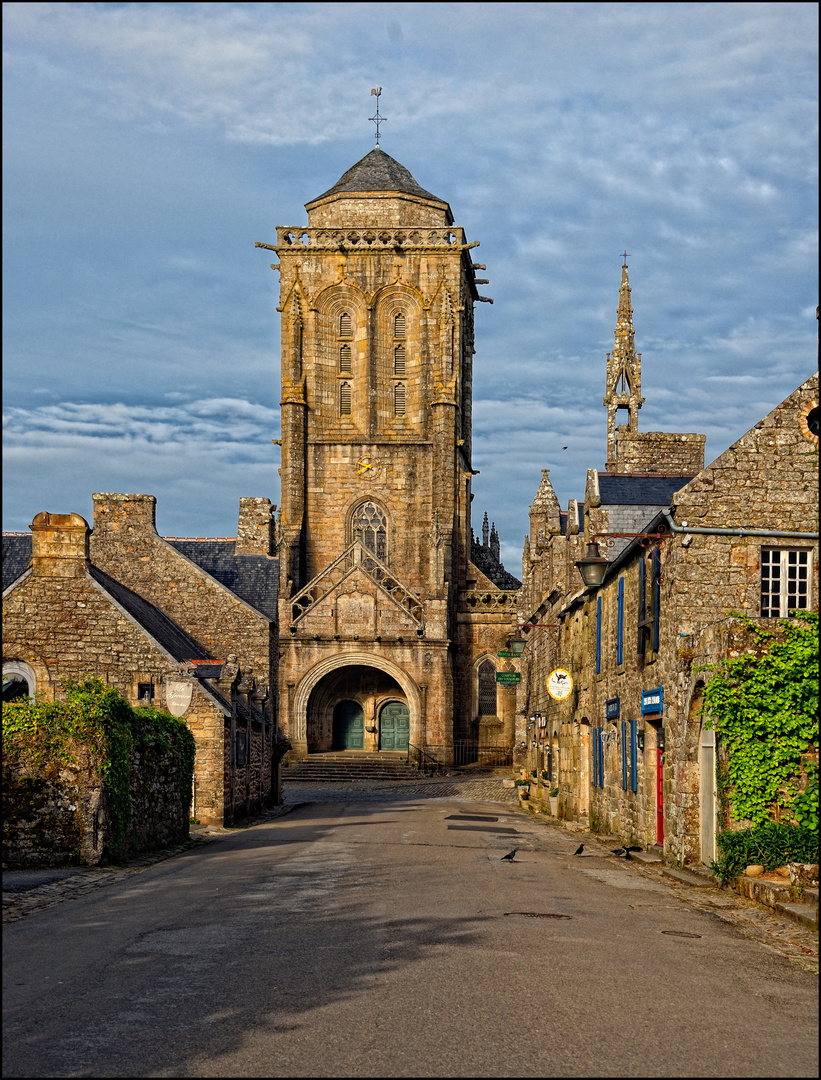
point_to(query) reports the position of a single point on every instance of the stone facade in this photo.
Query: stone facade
(627, 748)
(380, 603)
(123, 605)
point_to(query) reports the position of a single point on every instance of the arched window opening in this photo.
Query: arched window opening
(345, 325)
(345, 360)
(487, 688)
(345, 399)
(399, 326)
(19, 682)
(369, 526)
(399, 399)
(399, 360)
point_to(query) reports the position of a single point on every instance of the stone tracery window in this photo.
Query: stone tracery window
(487, 688)
(370, 527)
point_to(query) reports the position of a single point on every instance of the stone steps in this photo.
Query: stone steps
(347, 768)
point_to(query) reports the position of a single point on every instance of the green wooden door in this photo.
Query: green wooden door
(349, 726)
(394, 727)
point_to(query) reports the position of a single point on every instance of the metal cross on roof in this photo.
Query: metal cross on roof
(375, 92)
(624, 254)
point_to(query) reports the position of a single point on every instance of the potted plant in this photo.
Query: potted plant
(554, 801)
(523, 788)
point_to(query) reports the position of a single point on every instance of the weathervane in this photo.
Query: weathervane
(375, 92)
(624, 254)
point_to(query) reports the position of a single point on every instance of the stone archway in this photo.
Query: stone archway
(358, 678)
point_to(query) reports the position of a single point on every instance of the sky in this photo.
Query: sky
(146, 147)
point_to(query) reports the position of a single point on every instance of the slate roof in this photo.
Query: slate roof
(377, 171)
(16, 556)
(618, 490)
(173, 639)
(483, 558)
(253, 578)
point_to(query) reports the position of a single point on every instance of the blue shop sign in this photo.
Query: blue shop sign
(652, 701)
(611, 707)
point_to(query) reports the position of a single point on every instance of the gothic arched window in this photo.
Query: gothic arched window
(345, 399)
(399, 399)
(487, 688)
(345, 329)
(369, 526)
(345, 360)
(399, 360)
(399, 326)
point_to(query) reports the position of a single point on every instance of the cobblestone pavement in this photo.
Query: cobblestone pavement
(796, 943)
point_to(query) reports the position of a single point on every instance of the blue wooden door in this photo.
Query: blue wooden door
(349, 726)
(394, 727)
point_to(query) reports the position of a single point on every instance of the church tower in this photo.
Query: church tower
(376, 299)
(623, 375)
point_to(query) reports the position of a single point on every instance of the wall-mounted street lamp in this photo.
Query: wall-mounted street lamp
(640, 740)
(516, 643)
(594, 565)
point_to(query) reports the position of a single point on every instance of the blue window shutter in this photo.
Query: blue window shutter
(620, 626)
(642, 601)
(595, 757)
(598, 636)
(633, 757)
(656, 573)
(624, 754)
(601, 758)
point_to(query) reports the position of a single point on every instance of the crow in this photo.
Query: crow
(508, 857)
(625, 851)
(579, 849)
(617, 850)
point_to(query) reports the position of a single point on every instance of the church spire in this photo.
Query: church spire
(623, 374)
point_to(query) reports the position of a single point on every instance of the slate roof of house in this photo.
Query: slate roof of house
(16, 556)
(253, 578)
(483, 558)
(164, 630)
(626, 490)
(377, 171)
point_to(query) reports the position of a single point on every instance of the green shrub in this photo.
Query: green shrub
(769, 845)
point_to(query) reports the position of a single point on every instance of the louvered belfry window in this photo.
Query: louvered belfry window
(345, 399)
(370, 528)
(399, 326)
(399, 360)
(345, 360)
(399, 399)
(345, 328)
(487, 688)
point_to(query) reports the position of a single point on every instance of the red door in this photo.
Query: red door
(659, 796)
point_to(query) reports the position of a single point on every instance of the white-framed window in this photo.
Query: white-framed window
(19, 681)
(785, 581)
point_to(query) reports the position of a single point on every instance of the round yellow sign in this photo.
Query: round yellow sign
(559, 684)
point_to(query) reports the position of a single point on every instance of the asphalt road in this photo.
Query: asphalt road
(367, 939)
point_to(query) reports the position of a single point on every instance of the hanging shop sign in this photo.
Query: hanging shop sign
(508, 678)
(559, 684)
(652, 701)
(612, 708)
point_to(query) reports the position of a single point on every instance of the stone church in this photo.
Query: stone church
(390, 614)
(366, 618)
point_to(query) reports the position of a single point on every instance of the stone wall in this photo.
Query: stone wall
(660, 452)
(58, 815)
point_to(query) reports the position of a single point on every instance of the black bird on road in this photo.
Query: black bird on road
(625, 851)
(508, 857)
(579, 849)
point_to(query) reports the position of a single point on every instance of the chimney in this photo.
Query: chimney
(255, 527)
(59, 545)
(124, 516)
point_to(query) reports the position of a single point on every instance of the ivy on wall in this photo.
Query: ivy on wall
(47, 735)
(764, 706)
